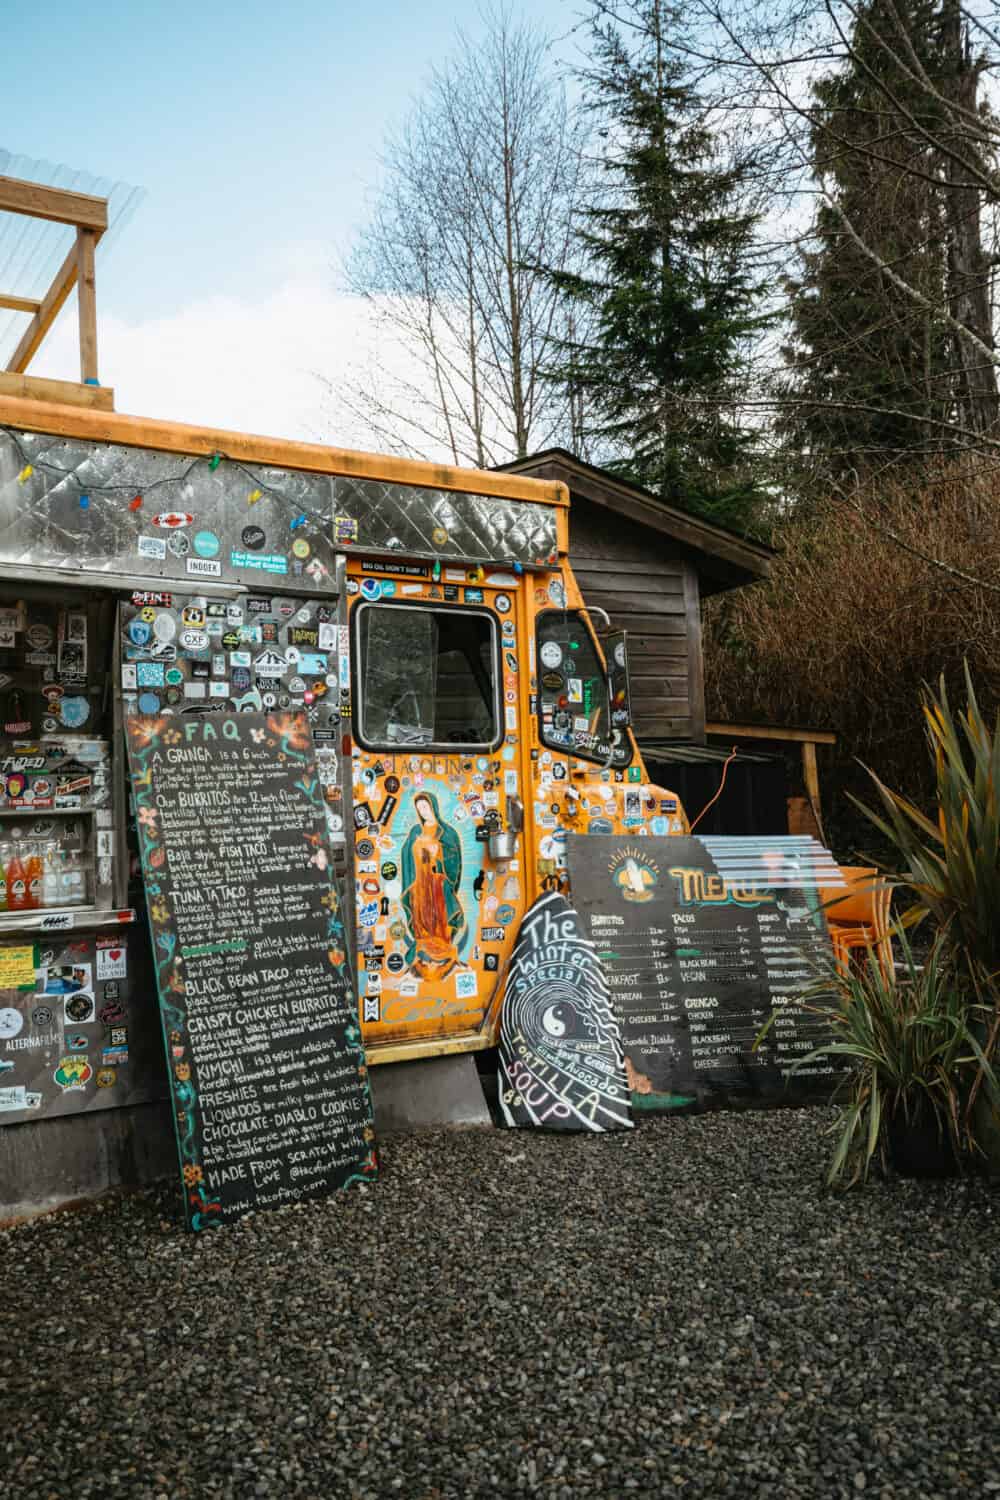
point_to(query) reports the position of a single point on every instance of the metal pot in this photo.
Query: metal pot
(503, 846)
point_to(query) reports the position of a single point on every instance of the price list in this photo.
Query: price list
(268, 1078)
(696, 966)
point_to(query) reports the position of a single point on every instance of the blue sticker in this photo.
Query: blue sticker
(658, 825)
(74, 712)
(151, 674)
(77, 1042)
(505, 914)
(240, 679)
(601, 825)
(311, 664)
(149, 703)
(388, 589)
(206, 544)
(473, 596)
(371, 589)
(368, 914)
(139, 632)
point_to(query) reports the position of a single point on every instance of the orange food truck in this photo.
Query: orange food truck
(467, 712)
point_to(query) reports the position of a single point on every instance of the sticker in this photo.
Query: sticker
(13, 1097)
(253, 538)
(194, 640)
(466, 985)
(129, 683)
(106, 1078)
(139, 632)
(73, 1074)
(77, 1041)
(42, 1014)
(153, 547)
(150, 673)
(551, 654)
(164, 627)
(112, 961)
(265, 562)
(170, 520)
(203, 568)
(178, 545)
(557, 593)
(74, 712)
(473, 596)
(270, 664)
(80, 1007)
(218, 689)
(439, 536)
(300, 548)
(241, 659)
(206, 544)
(345, 530)
(194, 690)
(502, 604)
(371, 589)
(11, 1021)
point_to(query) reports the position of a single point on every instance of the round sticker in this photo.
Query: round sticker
(371, 589)
(502, 604)
(269, 699)
(147, 613)
(365, 849)
(39, 636)
(253, 538)
(557, 593)
(49, 726)
(41, 1015)
(139, 632)
(551, 654)
(178, 544)
(392, 783)
(74, 712)
(174, 676)
(389, 870)
(164, 627)
(620, 654)
(395, 963)
(439, 536)
(300, 548)
(11, 1021)
(206, 544)
(149, 703)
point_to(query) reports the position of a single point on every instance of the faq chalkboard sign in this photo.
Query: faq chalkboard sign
(560, 1054)
(696, 964)
(267, 1076)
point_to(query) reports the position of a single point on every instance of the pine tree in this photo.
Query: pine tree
(668, 297)
(872, 369)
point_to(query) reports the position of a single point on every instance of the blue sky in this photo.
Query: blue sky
(256, 131)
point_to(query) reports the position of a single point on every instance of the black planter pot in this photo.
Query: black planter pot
(917, 1148)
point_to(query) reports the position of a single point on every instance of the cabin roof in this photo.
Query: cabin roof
(724, 559)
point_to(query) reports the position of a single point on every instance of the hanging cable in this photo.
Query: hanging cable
(713, 800)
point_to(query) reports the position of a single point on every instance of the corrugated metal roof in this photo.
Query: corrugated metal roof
(32, 250)
(683, 752)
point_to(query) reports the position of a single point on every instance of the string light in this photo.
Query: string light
(254, 496)
(25, 474)
(135, 502)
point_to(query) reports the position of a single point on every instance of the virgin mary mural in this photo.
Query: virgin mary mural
(432, 874)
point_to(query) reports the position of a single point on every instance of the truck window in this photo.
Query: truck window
(573, 691)
(426, 677)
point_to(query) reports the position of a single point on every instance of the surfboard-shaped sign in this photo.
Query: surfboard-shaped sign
(561, 1064)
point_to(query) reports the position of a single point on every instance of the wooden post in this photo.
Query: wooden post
(86, 241)
(810, 775)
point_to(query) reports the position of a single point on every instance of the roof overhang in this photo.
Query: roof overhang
(724, 559)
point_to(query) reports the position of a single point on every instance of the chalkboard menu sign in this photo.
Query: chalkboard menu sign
(268, 1079)
(560, 1056)
(696, 964)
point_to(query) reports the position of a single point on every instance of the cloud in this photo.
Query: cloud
(252, 365)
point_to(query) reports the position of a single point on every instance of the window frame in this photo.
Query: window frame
(435, 747)
(574, 751)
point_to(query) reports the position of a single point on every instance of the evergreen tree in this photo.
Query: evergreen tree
(872, 370)
(666, 290)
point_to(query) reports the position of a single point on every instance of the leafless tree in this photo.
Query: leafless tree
(479, 192)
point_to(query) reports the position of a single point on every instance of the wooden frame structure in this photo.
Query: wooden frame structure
(807, 738)
(88, 215)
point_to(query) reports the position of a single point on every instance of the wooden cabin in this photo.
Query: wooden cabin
(649, 565)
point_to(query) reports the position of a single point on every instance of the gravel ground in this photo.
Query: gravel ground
(680, 1310)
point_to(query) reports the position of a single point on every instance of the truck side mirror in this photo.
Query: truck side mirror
(619, 699)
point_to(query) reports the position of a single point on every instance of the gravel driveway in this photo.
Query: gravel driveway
(678, 1310)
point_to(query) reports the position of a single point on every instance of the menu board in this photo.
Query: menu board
(560, 1055)
(696, 964)
(268, 1078)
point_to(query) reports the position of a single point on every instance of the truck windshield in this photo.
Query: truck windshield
(426, 677)
(573, 691)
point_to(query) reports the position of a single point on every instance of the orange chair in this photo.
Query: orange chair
(858, 916)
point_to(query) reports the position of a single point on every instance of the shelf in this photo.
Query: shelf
(44, 812)
(63, 919)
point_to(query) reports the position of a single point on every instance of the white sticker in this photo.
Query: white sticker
(204, 567)
(327, 636)
(454, 575)
(574, 689)
(104, 841)
(194, 640)
(270, 664)
(57, 921)
(129, 684)
(152, 546)
(466, 985)
(240, 658)
(12, 1097)
(218, 689)
(195, 690)
(511, 716)
(112, 962)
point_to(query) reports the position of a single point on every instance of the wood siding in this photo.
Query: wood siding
(651, 591)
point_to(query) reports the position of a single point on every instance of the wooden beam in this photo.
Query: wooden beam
(772, 732)
(810, 776)
(55, 204)
(314, 458)
(65, 392)
(86, 293)
(19, 304)
(52, 305)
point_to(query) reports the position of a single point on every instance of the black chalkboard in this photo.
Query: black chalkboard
(560, 1055)
(268, 1079)
(696, 964)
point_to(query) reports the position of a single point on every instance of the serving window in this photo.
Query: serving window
(426, 677)
(573, 706)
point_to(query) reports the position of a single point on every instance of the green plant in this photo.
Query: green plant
(909, 1044)
(952, 867)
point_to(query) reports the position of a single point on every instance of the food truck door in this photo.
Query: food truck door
(439, 748)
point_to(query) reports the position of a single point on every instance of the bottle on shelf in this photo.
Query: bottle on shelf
(33, 875)
(5, 853)
(72, 882)
(17, 880)
(51, 893)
